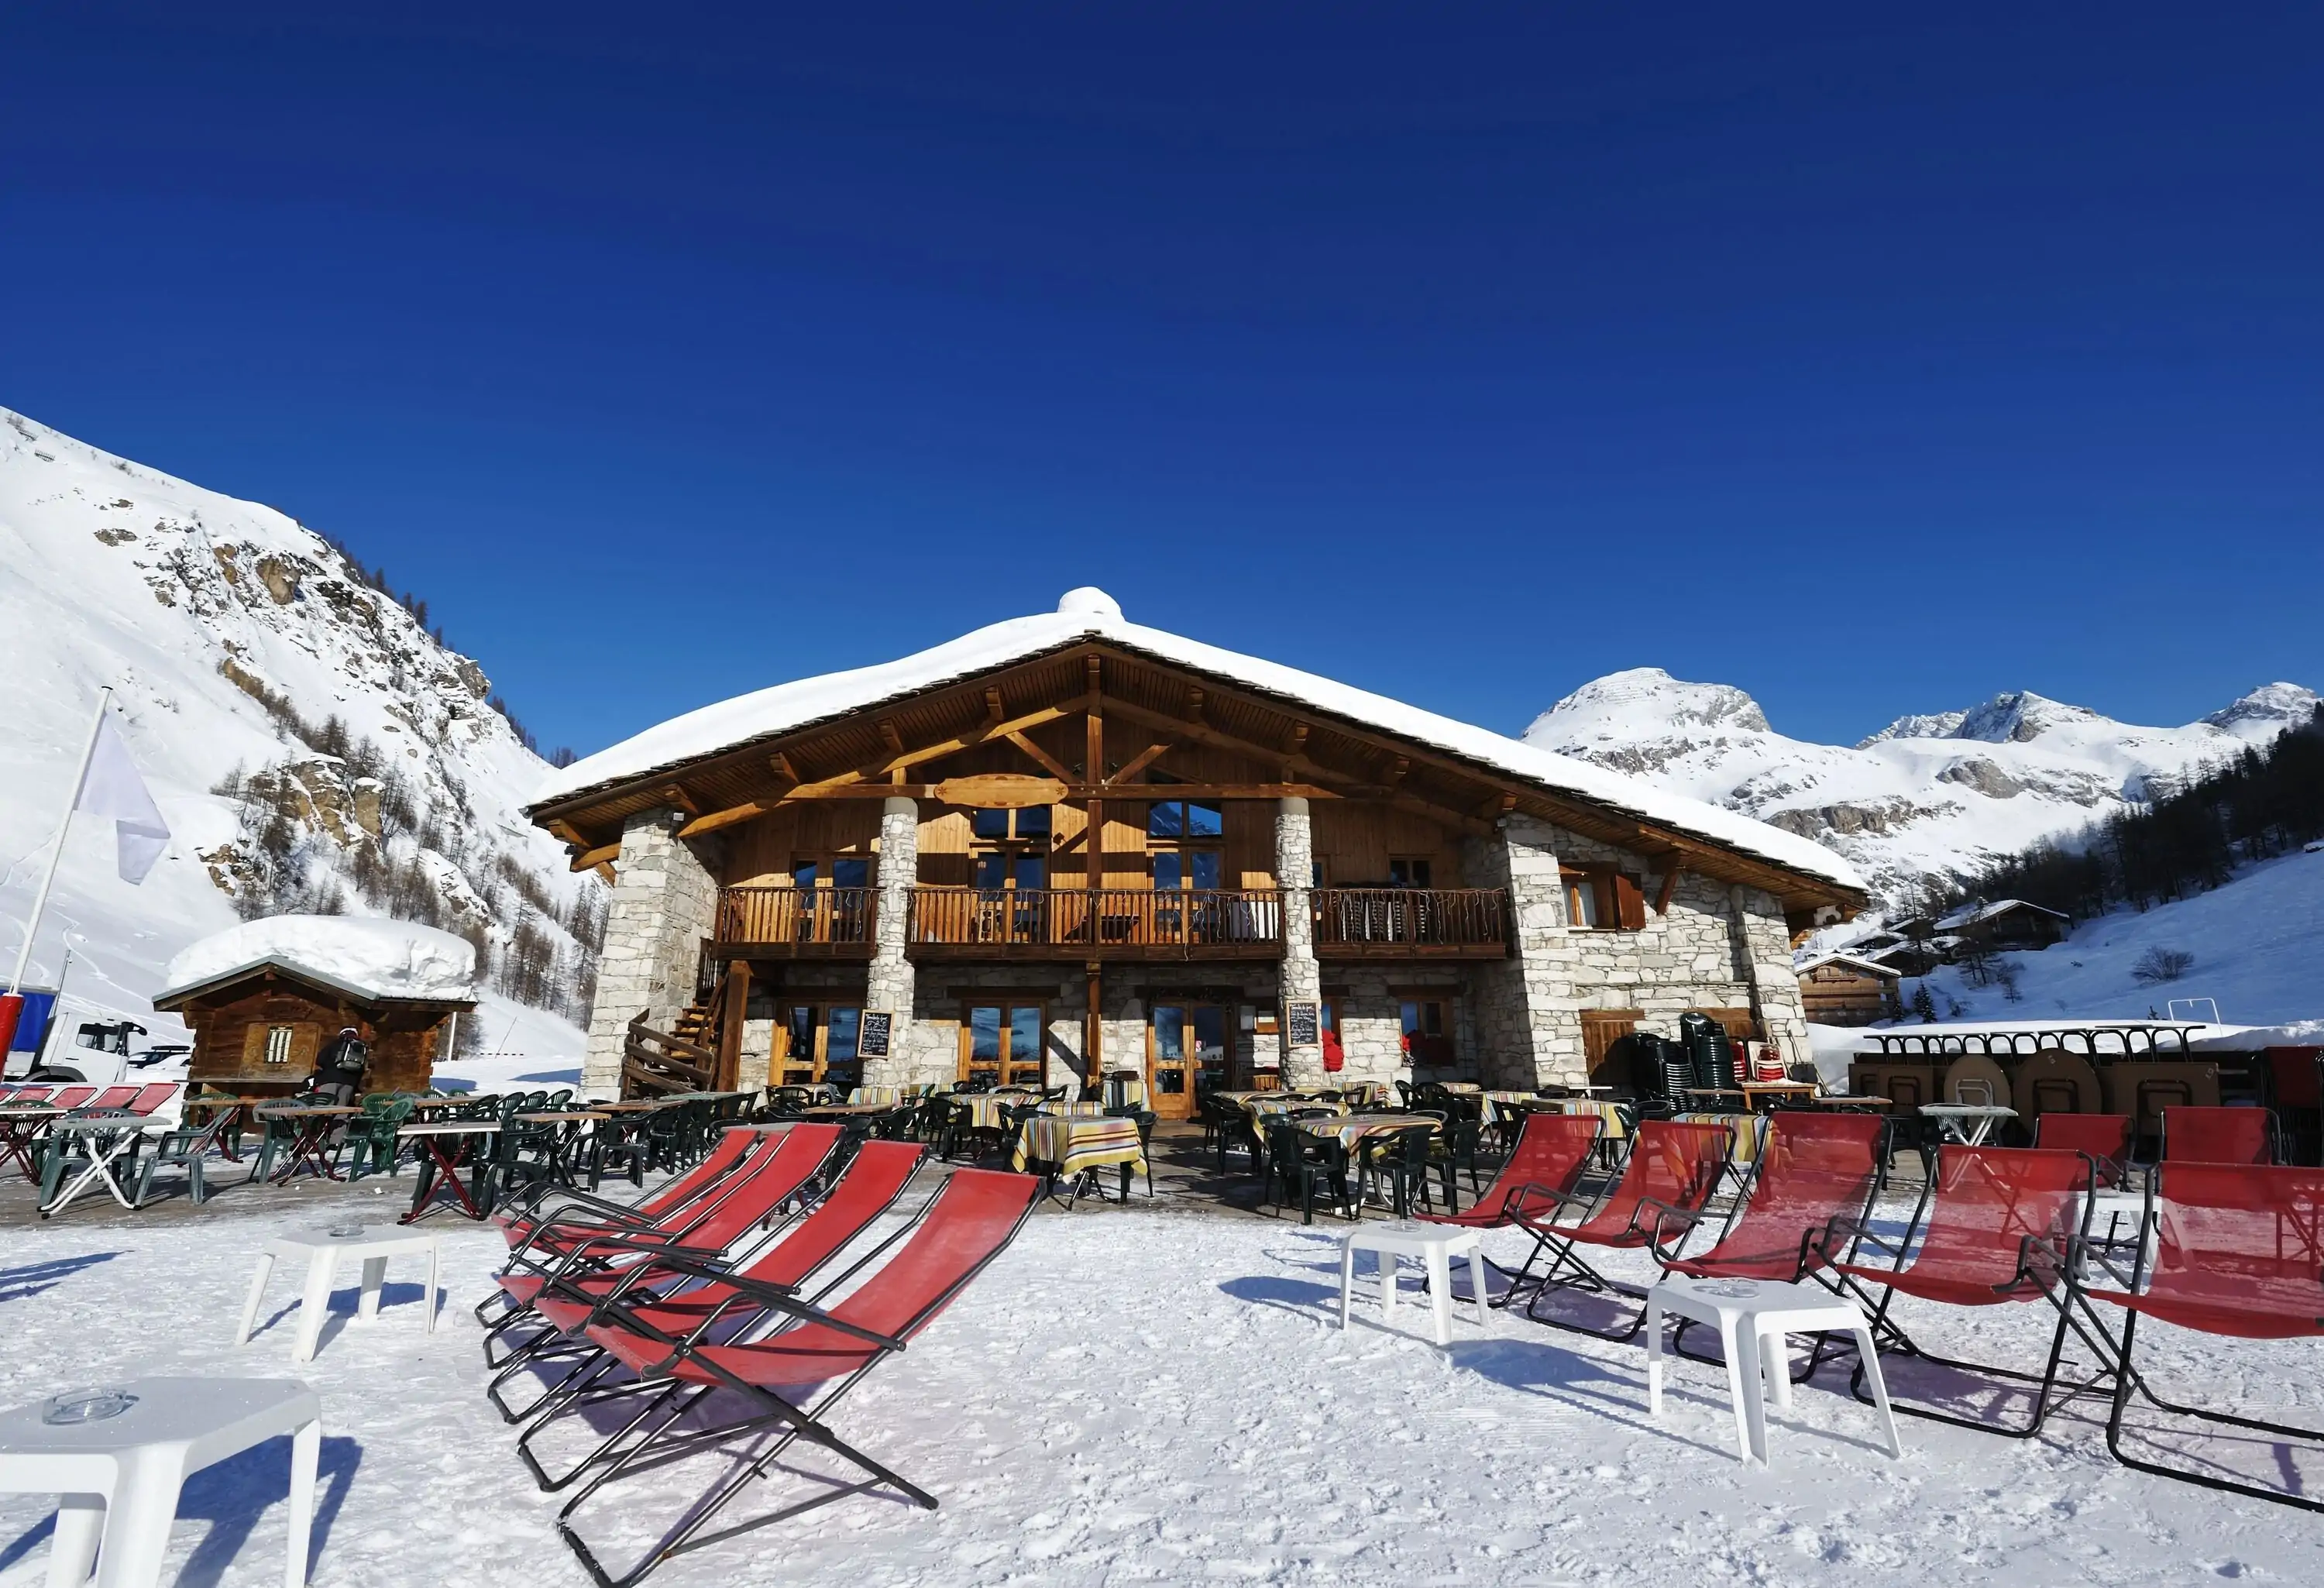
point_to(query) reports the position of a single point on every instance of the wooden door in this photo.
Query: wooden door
(1184, 1041)
(1005, 1044)
(816, 1043)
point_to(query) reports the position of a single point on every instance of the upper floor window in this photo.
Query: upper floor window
(1408, 871)
(1184, 819)
(1601, 899)
(1005, 826)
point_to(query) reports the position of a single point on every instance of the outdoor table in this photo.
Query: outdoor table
(1969, 1123)
(119, 1476)
(22, 1126)
(1753, 1317)
(564, 1142)
(846, 1110)
(321, 1249)
(1436, 1245)
(1069, 1147)
(311, 1146)
(1717, 1092)
(983, 1109)
(1758, 1091)
(638, 1107)
(1617, 1127)
(889, 1094)
(238, 1111)
(444, 1143)
(1269, 1106)
(2118, 1219)
(115, 1131)
(439, 1104)
(1352, 1127)
(1850, 1100)
(1074, 1109)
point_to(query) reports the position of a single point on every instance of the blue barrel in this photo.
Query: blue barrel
(40, 1008)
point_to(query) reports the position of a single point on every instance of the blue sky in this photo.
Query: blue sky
(1873, 362)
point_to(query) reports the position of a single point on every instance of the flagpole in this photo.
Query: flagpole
(41, 900)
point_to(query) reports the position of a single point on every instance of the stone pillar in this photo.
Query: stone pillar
(665, 903)
(1528, 1019)
(1302, 980)
(1763, 948)
(889, 982)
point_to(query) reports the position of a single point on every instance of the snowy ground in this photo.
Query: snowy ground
(1150, 1396)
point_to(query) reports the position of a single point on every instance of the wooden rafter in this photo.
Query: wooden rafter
(1140, 762)
(993, 710)
(1042, 758)
(679, 798)
(1671, 869)
(603, 854)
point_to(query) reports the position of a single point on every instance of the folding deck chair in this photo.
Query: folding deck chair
(683, 1305)
(522, 1208)
(2219, 1135)
(2106, 1137)
(1551, 1152)
(705, 1227)
(1993, 1224)
(1672, 1170)
(961, 1228)
(2238, 1252)
(1814, 1170)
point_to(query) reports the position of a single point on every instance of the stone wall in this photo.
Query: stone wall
(665, 903)
(1301, 979)
(1685, 958)
(891, 980)
(1764, 949)
(1525, 1008)
(1368, 1009)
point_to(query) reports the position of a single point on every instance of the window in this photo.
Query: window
(1581, 905)
(834, 890)
(818, 1044)
(278, 1044)
(1601, 899)
(1427, 1035)
(1184, 819)
(1423, 1017)
(1004, 825)
(1408, 871)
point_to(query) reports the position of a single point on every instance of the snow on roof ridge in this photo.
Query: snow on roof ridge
(371, 957)
(1089, 613)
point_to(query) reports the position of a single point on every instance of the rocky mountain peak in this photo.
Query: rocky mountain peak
(1643, 697)
(2267, 711)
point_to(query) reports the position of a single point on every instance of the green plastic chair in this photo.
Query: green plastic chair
(371, 1141)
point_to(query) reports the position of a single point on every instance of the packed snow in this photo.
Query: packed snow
(1158, 1396)
(187, 601)
(1936, 795)
(1088, 613)
(370, 958)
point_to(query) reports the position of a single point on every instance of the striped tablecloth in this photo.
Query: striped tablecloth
(1353, 1127)
(1071, 1144)
(889, 1093)
(984, 1107)
(1125, 1092)
(1747, 1129)
(1089, 1109)
(1267, 1105)
(1618, 1123)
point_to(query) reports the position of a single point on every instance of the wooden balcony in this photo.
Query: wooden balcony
(1115, 923)
(1411, 923)
(795, 923)
(1111, 923)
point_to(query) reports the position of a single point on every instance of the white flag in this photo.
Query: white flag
(111, 787)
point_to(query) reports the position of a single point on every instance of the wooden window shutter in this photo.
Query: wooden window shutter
(253, 1046)
(1630, 902)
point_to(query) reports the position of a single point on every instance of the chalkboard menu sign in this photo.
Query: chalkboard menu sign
(1304, 1025)
(872, 1038)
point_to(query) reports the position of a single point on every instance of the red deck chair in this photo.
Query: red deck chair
(1551, 1153)
(705, 1227)
(1816, 1171)
(111, 1097)
(30, 1094)
(869, 1189)
(150, 1099)
(790, 1379)
(72, 1096)
(1993, 1225)
(2106, 1137)
(2219, 1135)
(1672, 1170)
(2238, 1251)
(521, 1214)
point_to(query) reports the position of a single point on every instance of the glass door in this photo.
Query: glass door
(1184, 1041)
(816, 1043)
(1003, 1045)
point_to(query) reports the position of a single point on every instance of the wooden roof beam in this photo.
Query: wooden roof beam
(605, 854)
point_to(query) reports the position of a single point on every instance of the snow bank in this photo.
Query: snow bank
(1088, 613)
(372, 958)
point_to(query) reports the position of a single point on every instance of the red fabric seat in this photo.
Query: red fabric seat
(875, 1180)
(684, 1188)
(1813, 1170)
(1670, 1163)
(150, 1098)
(2238, 1250)
(2106, 1137)
(112, 1097)
(1989, 1202)
(72, 1096)
(1550, 1153)
(2219, 1135)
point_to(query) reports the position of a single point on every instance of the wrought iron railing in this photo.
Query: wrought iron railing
(1390, 919)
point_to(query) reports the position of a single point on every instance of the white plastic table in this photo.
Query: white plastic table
(114, 1134)
(322, 1249)
(119, 1477)
(1752, 1317)
(1436, 1245)
(1969, 1123)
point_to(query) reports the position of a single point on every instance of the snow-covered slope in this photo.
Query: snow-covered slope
(361, 763)
(1936, 794)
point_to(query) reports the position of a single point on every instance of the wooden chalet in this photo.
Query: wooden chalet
(1068, 846)
(1845, 989)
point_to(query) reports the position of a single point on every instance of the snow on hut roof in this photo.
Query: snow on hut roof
(368, 958)
(1971, 915)
(1089, 614)
(1872, 966)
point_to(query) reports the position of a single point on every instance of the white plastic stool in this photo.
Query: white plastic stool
(375, 1243)
(119, 1476)
(1436, 1245)
(1752, 1317)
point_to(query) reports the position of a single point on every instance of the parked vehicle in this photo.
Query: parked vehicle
(63, 1037)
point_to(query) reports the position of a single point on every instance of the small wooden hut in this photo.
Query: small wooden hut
(264, 997)
(1842, 990)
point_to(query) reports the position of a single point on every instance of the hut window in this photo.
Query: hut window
(278, 1044)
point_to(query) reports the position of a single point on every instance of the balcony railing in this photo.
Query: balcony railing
(803, 922)
(1156, 921)
(1459, 922)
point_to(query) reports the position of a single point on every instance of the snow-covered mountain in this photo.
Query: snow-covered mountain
(312, 746)
(1929, 795)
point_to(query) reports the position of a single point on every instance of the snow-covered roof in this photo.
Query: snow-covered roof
(1091, 614)
(363, 958)
(1974, 914)
(1857, 961)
